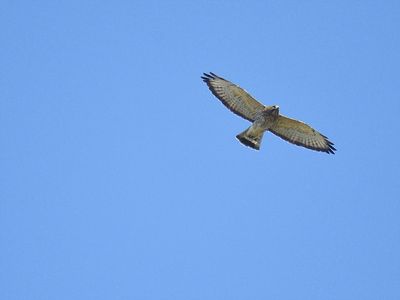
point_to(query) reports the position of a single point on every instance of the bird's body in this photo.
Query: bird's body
(264, 118)
(253, 135)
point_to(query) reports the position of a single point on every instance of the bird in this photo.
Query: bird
(264, 118)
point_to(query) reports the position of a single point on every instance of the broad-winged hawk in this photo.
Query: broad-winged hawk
(264, 118)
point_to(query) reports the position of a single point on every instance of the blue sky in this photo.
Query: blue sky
(121, 177)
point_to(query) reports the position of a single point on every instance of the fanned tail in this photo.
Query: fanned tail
(251, 139)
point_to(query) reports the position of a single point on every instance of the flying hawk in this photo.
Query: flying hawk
(264, 118)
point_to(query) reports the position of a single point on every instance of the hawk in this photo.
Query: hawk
(264, 118)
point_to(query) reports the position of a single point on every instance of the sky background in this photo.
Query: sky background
(121, 177)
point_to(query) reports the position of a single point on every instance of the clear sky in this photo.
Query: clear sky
(121, 177)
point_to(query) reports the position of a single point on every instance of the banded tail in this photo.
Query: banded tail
(251, 138)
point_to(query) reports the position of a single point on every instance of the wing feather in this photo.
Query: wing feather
(233, 97)
(301, 134)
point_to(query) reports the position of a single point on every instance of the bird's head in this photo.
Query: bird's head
(273, 110)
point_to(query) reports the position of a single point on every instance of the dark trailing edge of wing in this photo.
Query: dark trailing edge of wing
(330, 149)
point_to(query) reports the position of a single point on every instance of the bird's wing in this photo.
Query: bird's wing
(233, 97)
(301, 134)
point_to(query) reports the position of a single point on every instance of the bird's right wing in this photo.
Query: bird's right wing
(233, 97)
(301, 134)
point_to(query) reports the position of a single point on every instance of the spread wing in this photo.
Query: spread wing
(233, 97)
(301, 134)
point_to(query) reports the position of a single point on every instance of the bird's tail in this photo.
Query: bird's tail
(251, 138)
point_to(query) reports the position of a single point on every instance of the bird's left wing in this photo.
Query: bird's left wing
(301, 134)
(233, 97)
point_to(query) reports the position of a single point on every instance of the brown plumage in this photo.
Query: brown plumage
(264, 118)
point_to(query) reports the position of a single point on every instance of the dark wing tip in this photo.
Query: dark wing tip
(207, 77)
(330, 149)
(214, 75)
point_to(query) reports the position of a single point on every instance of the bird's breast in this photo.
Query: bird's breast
(265, 121)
